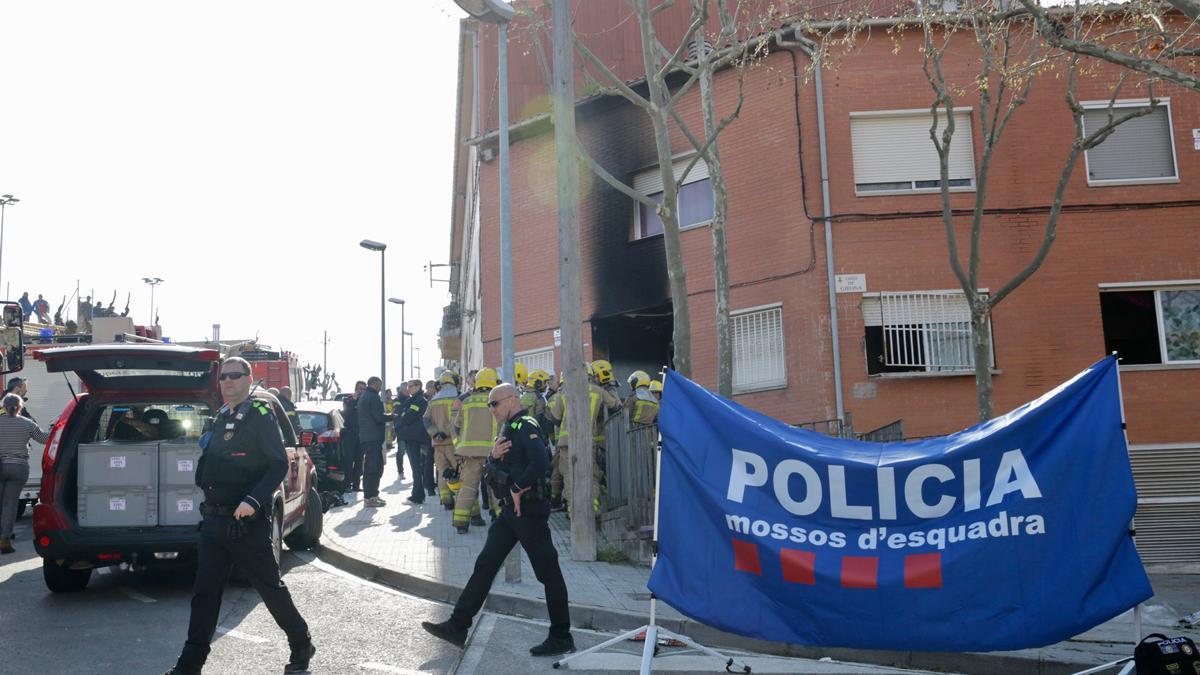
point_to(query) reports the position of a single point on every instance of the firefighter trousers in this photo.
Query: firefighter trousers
(564, 467)
(443, 458)
(466, 504)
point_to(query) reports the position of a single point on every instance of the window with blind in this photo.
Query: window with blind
(695, 200)
(538, 359)
(893, 152)
(918, 331)
(758, 361)
(1141, 150)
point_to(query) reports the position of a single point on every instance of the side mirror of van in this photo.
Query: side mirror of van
(12, 352)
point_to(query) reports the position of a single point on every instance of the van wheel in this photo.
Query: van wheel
(308, 534)
(60, 579)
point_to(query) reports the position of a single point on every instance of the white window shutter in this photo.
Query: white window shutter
(1139, 148)
(542, 359)
(897, 148)
(650, 182)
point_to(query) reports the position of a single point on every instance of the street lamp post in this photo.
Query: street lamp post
(500, 13)
(152, 282)
(416, 364)
(5, 200)
(410, 354)
(400, 301)
(377, 246)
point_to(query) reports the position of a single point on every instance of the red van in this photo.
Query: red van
(118, 471)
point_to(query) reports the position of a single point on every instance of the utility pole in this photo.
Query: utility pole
(580, 450)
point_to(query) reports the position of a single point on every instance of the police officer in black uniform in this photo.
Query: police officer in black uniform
(242, 465)
(516, 473)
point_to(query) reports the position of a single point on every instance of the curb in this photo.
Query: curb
(590, 617)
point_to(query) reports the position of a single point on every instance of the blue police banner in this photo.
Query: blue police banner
(1011, 534)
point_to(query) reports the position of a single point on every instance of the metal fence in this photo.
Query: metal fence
(629, 469)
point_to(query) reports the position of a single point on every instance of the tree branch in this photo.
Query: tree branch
(629, 94)
(612, 180)
(1054, 33)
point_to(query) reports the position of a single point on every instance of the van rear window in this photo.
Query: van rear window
(141, 422)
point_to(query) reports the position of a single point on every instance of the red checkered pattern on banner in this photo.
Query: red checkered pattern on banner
(921, 570)
(799, 567)
(745, 557)
(860, 571)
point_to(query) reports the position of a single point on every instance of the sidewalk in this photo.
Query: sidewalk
(415, 549)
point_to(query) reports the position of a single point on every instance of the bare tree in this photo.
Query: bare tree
(1157, 38)
(662, 104)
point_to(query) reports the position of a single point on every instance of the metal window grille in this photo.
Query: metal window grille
(541, 359)
(927, 329)
(758, 360)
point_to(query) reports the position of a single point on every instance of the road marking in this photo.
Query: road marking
(384, 668)
(477, 645)
(241, 636)
(12, 569)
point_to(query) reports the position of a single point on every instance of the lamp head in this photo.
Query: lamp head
(491, 11)
(372, 245)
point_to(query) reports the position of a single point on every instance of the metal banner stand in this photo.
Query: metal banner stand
(652, 630)
(1137, 609)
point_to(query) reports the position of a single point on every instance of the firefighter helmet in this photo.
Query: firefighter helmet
(453, 477)
(448, 377)
(603, 370)
(486, 379)
(520, 373)
(538, 379)
(656, 386)
(639, 378)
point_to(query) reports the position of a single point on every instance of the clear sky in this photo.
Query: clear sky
(221, 144)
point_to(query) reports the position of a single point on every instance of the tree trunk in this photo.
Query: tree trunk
(673, 247)
(981, 342)
(720, 215)
(579, 449)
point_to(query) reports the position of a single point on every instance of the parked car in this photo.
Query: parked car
(118, 483)
(324, 418)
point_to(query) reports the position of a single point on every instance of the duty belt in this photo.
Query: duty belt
(218, 511)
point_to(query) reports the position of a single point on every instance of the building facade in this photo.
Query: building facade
(1123, 273)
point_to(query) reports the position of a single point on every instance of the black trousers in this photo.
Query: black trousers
(253, 555)
(416, 461)
(372, 452)
(533, 532)
(400, 453)
(430, 475)
(353, 458)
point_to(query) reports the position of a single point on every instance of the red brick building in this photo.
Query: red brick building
(1124, 272)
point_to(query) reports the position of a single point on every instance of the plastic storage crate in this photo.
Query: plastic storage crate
(179, 506)
(179, 498)
(117, 464)
(118, 507)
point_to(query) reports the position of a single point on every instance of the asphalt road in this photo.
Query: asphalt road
(135, 623)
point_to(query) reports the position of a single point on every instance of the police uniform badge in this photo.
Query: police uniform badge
(228, 435)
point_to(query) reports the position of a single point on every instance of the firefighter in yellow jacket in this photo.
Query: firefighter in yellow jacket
(439, 422)
(641, 405)
(476, 430)
(601, 403)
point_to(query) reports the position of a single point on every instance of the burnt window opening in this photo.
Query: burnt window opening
(1152, 326)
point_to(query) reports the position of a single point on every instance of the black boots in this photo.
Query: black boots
(447, 631)
(553, 646)
(298, 663)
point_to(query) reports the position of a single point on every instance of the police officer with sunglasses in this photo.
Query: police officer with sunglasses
(516, 475)
(242, 465)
